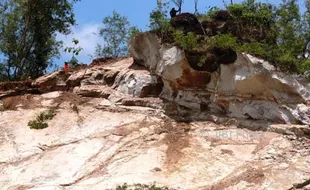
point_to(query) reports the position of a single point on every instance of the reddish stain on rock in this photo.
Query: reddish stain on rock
(194, 78)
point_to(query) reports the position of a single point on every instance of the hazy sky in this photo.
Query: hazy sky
(89, 15)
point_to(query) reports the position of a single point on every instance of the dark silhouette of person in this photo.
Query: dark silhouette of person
(66, 66)
(173, 12)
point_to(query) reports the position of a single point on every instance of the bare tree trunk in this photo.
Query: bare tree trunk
(196, 6)
(178, 3)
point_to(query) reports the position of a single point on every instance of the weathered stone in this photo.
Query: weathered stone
(98, 91)
(99, 74)
(109, 76)
(53, 81)
(138, 83)
(76, 78)
(144, 102)
(243, 86)
(116, 137)
(144, 49)
(99, 149)
(96, 78)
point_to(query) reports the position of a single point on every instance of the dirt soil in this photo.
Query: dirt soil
(27, 101)
(13, 85)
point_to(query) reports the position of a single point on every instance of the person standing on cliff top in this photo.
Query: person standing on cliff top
(66, 67)
(173, 12)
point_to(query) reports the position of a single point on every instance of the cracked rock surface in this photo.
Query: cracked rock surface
(152, 118)
(102, 145)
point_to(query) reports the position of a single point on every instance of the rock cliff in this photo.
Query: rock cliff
(247, 88)
(154, 117)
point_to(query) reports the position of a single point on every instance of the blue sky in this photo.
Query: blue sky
(89, 15)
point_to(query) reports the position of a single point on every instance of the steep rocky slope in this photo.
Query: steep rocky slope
(245, 88)
(153, 118)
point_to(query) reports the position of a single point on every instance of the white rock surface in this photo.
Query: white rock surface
(98, 149)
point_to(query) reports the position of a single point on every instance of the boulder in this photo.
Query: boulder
(53, 81)
(241, 86)
(99, 73)
(76, 77)
(186, 22)
(145, 46)
(138, 83)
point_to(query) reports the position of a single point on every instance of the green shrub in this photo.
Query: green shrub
(134, 31)
(39, 122)
(304, 66)
(186, 41)
(140, 187)
(158, 21)
(202, 60)
(251, 13)
(254, 48)
(275, 33)
(35, 124)
(225, 41)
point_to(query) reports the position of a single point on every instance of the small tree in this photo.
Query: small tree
(133, 31)
(158, 17)
(28, 31)
(75, 50)
(115, 34)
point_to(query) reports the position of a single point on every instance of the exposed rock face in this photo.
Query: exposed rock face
(238, 123)
(97, 145)
(139, 83)
(51, 82)
(248, 88)
(101, 79)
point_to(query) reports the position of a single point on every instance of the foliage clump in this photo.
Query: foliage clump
(140, 187)
(28, 32)
(40, 121)
(75, 50)
(116, 31)
(275, 33)
(186, 41)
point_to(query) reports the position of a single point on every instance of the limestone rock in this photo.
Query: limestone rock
(144, 102)
(99, 149)
(53, 81)
(241, 87)
(76, 77)
(95, 91)
(98, 74)
(138, 83)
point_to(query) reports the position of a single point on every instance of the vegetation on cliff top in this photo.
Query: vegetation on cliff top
(276, 33)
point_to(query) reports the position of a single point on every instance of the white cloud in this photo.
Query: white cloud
(88, 39)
